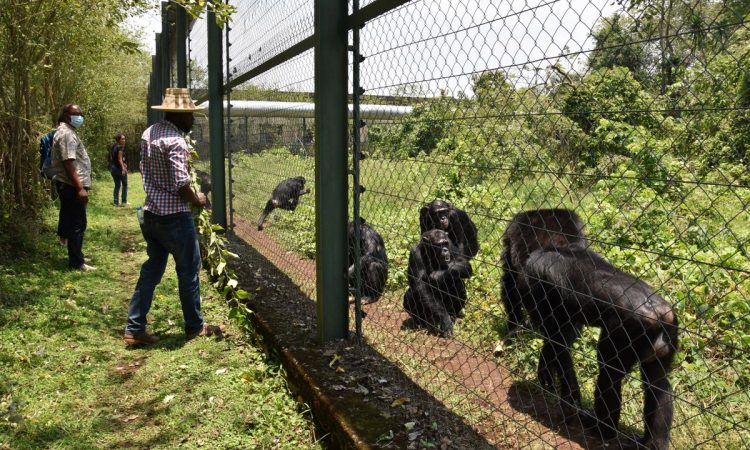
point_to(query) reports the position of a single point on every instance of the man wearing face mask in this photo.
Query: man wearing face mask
(168, 226)
(72, 174)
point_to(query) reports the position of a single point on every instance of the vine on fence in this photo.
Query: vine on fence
(214, 255)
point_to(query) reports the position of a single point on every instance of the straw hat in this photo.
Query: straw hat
(177, 100)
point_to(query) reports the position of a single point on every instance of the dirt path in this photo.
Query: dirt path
(507, 413)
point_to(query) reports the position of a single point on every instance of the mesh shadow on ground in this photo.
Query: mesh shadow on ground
(505, 412)
(354, 397)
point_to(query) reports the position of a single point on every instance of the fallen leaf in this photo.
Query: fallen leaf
(338, 387)
(400, 402)
(221, 371)
(130, 418)
(336, 358)
(168, 398)
(340, 369)
(414, 435)
(409, 425)
(246, 377)
(182, 366)
(361, 390)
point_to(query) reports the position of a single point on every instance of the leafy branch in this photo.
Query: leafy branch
(214, 256)
(196, 8)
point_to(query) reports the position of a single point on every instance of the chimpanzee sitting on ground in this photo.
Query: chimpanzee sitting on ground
(285, 196)
(570, 286)
(526, 232)
(373, 262)
(436, 291)
(442, 215)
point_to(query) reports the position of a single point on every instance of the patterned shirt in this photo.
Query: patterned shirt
(67, 145)
(164, 168)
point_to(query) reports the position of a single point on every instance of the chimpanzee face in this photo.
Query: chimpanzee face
(440, 218)
(438, 246)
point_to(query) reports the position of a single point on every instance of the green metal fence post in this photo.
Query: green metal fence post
(159, 81)
(331, 177)
(181, 46)
(216, 121)
(166, 54)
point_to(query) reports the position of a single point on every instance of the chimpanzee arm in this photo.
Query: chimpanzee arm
(460, 267)
(417, 270)
(465, 233)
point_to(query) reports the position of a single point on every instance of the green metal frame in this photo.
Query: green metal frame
(331, 176)
(216, 120)
(181, 46)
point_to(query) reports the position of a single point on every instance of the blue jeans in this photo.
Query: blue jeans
(172, 234)
(120, 179)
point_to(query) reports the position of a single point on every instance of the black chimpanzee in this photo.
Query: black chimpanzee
(442, 215)
(204, 179)
(436, 291)
(564, 286)
(373, 262)
(285, 196)
(526, 232)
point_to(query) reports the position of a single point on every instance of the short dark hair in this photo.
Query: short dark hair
(119, 136)
(65, 110)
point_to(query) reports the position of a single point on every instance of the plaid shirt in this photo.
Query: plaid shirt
(164, 168)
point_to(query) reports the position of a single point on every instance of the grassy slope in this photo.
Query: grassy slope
(67, 380)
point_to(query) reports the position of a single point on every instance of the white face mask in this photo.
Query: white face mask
(76, 121)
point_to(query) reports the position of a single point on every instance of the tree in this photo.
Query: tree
(53, 53)
(615, 46)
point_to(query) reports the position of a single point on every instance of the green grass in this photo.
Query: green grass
(68, 381)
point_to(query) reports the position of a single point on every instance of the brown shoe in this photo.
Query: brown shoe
(207, 330)
(140, 338)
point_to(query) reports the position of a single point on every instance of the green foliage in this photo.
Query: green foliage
(214, 255)
(55, 53)
(609, 93)
(197, 8)
(615, 48)
(419, 134)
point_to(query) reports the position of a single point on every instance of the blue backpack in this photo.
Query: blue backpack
(45, 155)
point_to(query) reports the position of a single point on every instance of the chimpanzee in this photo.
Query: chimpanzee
(442, 215)
(285, 196)
(373, 261)
(526, 232)
(436, 291)
(570, 286)
(204, 179)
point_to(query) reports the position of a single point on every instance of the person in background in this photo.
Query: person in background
(119, 170)
(168, 225)
(72, 173)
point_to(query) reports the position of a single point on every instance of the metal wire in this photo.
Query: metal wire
(635, 115)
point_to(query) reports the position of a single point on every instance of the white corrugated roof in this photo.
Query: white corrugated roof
(255, 108)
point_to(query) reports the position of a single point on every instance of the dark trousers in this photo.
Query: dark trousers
(72, 223)
(120, 180)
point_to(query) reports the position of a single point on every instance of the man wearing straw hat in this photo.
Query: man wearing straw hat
(168, 226)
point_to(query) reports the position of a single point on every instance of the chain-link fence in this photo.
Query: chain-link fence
(633, 115)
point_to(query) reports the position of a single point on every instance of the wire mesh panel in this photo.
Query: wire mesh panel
(197, 48)
(198, 57)
(272, 122)
(621, 131)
